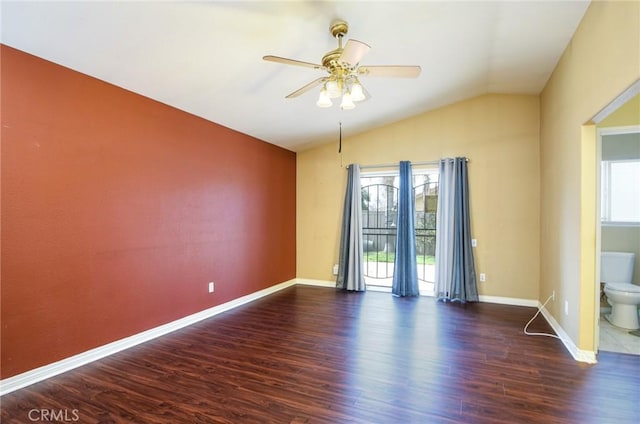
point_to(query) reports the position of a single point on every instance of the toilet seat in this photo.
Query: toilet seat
(623, 287)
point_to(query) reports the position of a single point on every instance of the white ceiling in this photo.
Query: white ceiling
(206, 57)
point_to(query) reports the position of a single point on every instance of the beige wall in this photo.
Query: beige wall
(498, 133)
(626, 114)
(600, 62)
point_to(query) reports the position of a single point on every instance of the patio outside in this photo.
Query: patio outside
(426, 276)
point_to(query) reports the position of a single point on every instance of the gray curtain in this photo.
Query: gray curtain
(455, 269)
(350, 263)
(405, 271)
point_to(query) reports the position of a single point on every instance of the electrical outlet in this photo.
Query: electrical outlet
(483, 277)
(474, 243)
(553, 295)
(211, 287)
(566, 307)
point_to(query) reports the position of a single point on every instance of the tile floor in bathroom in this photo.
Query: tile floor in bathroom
(615, 339)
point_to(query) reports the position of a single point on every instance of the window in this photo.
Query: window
(620, 190)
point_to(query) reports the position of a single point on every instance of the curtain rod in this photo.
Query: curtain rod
(395, 165)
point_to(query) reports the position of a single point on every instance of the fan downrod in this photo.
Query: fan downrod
(338, 29)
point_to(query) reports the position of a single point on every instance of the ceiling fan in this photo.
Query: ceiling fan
(343, 68)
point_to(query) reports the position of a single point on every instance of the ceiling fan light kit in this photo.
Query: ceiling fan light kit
(347, 102)
(343, 67)
(324, 100)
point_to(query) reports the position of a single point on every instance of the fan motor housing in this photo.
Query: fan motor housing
(330, 60)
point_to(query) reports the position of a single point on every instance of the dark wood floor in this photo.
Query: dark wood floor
(314, 355)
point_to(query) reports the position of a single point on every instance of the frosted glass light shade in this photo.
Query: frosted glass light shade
(347, 102)
(356, 92)
(333, 89)
(323, 99)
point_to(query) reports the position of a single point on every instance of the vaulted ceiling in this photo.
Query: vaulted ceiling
(206, 57)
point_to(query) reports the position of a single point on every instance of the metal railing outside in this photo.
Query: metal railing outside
(379, 231)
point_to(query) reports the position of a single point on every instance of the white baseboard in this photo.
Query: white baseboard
(19, 381)
(488, 299)
(317, 283)
(578, 354)
(515, 301)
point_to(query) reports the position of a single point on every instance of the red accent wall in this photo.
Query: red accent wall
(117, 211)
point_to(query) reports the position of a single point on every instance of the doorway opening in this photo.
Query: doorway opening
(618, 220)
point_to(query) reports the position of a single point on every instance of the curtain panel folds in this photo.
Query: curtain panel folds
(350, 262)
(405, 271)
(455, 269)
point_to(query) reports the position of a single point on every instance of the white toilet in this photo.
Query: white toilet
(616, 271)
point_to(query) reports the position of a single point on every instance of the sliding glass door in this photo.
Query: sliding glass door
(379, 219)
(425, 192)
(379, 229)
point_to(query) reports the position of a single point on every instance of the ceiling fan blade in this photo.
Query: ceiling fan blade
(390, 71)
(353, 51)
(286, 61)
(307, 87)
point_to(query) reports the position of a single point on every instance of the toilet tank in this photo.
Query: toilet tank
(616, 267)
